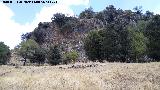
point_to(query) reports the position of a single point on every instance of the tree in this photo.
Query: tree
(59, 19)
(92, 45)
(4, 53)
(137, 42)
(100, 16)
(39, 56)
(138, 9)
(39, 35)
(69, 25)
(110, 13)
(138, 13)
(87, 14)
(110, 44)
(27, 49)
(31, 50)
(148, 15)
(113, 43)
(65, 23)
(117, 43)
(153, 34)
(26, 36)
(54, 55)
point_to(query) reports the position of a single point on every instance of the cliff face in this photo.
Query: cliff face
(70, 38)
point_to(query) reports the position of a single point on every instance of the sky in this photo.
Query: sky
(18, 18)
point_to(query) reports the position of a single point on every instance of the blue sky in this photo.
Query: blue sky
(16, 19)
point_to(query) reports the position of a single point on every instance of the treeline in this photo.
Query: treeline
(32, 52)
(127, 36)
(116, 35)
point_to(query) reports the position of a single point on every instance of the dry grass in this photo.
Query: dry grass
(106, 76)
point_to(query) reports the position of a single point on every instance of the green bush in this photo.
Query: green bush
(4, 53)
(70, 57)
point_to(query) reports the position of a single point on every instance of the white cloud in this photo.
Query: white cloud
(8, 31)
(63, 6)
(47, 12)
(11, 31)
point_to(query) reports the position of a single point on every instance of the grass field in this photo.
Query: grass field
(101, 76)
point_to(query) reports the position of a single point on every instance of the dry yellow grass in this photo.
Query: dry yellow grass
(106, 76)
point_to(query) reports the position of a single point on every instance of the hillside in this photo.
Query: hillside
(101, 76)
(112, 35)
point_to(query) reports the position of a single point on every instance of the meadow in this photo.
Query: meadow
(82, 76)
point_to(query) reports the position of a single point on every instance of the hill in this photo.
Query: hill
(112, 35)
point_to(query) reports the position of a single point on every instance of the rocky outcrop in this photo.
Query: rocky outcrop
(69, 41)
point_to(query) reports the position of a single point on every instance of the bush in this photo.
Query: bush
(4, 53)
(71, 57)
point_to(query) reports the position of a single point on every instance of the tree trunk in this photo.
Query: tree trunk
(24, 63)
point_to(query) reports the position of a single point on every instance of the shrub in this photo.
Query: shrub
(70, 57)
